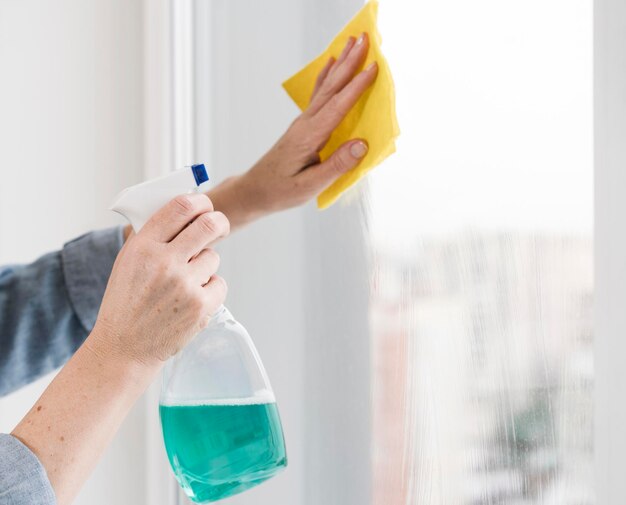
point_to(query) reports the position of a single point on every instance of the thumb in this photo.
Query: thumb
(344, 159)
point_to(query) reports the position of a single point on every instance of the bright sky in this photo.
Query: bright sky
(495, 107)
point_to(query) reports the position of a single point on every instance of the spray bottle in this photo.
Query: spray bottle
(221, 426)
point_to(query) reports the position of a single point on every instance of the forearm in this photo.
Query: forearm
(236, 198)
(79, 413)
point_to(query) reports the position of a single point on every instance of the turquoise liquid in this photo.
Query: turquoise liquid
(221, 450)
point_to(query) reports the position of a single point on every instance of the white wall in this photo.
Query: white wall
(71, 136)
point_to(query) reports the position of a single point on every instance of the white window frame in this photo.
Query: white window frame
(610, 250)
(167, 105)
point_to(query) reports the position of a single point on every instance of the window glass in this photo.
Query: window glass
(482, 279)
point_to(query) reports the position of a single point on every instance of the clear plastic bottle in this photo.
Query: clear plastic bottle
(220, 422)
(221, 426)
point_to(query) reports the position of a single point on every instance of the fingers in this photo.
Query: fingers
(331, 63)
(205, 229)
(175, 216)
(346, 50)
(344, 159)
(204, 266)
(323, 74)
(215, 291)
(335, 110)
(341, 73)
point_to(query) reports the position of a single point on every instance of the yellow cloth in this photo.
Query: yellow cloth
(373, 117)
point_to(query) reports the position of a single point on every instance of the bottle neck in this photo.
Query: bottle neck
(220, 311)
(221, 314)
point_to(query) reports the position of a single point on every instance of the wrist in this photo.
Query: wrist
(237, 199)
(99, 348)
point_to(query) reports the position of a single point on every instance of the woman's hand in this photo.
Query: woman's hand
(291, 174)
(163, 288)
(162, 291)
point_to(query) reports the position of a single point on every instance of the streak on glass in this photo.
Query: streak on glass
(482, 279)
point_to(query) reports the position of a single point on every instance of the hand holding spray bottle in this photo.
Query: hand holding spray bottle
(221, 426)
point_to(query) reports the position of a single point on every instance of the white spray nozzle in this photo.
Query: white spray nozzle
(138, 203)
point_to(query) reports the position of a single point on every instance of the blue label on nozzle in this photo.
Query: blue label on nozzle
(200, 174)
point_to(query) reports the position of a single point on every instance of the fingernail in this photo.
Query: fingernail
(361, 39)
(358, 149)
(372, 66)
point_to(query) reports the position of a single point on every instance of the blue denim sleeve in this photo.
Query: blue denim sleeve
(23, 479)
(48, 307)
